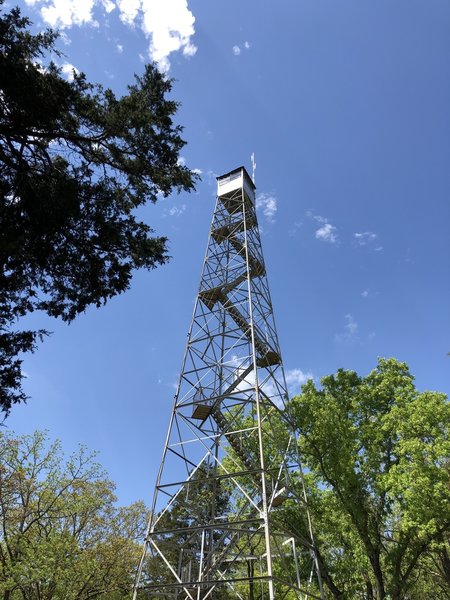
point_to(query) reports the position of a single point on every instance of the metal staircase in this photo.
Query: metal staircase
(230, 479)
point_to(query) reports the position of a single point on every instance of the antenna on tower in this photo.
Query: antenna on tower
(253, 166)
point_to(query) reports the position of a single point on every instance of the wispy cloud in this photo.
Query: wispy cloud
(240, 364)
(238, 49)
(350, 333)
(182, 163)
(64, 38)
(267, 203)
(168, 25)
(365, 237)
(295, 227)
(295, 378)
(318, 218)
(327, 232)
(119, 48)
(176, 211)
(365, 293)
(211, 178)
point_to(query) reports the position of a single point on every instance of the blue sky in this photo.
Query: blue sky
(346, 106)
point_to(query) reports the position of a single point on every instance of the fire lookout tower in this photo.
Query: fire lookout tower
(229, 517)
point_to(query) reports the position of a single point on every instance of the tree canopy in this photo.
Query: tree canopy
(75, 162)
(62, 537)
(376, 450)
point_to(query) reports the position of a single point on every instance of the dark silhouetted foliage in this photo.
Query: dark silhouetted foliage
(75, 161)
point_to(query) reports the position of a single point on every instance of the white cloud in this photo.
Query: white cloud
(129, 10)
(119, 48)
(351, 330)
(268, 205)
(364, 294)
(238, 49)
(108, 5)
(68, 70)
(365, 237)
(326, 233)
(295, 378)
(66, 13)
(177, 211)
(168, 24)
(317, 218)
(182, 163)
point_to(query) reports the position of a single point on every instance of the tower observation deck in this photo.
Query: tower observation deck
(229, 518)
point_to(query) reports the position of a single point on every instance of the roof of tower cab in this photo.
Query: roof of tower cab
(237, 170)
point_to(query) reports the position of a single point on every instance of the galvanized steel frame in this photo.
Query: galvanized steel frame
(229, 429)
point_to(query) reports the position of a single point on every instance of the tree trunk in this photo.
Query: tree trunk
(369, 587)
(378, 573)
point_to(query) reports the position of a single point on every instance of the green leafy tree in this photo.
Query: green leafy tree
(376, 450)
(75, 162)
(61, 534)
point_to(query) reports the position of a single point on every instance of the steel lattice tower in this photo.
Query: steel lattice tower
(229, 516)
